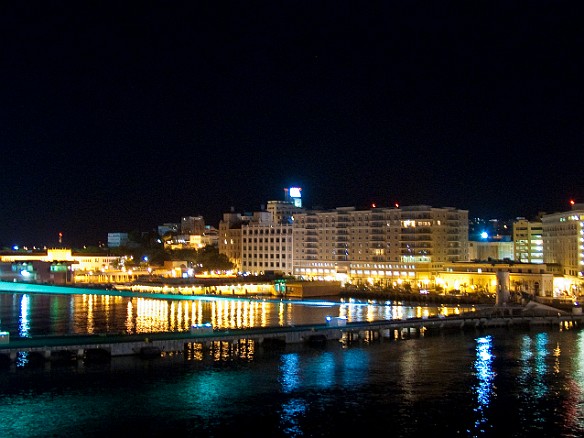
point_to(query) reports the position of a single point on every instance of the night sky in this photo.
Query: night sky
(123, 115)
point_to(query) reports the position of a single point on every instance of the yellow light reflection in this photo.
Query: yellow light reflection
(90, 302)
(130, 318)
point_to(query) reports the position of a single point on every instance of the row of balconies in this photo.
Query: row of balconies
(377, 230)
(372, 244)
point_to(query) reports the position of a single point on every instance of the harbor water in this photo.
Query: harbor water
(504, 382)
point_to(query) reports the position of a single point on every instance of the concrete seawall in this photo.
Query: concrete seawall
(156, 344)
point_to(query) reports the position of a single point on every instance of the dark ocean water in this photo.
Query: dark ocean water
(497, 382)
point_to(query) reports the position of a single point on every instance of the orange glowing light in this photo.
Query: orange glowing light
(572, 202)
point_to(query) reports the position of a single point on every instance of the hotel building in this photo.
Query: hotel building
(380, 246)
(260, 243)
(563, 244)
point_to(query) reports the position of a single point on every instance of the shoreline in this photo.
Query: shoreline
(431, 298)
(449, 300)
(402, 297)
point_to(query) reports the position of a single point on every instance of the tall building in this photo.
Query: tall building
(260, 244)
(378, 246)
(563, 244)
(230, 236)
(528, 241)
(267, 245)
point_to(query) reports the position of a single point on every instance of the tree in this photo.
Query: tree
(209, 259)
(189, 255)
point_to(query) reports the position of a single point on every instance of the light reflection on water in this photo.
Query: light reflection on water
(484, 388)
(499, 382)
(40, 314)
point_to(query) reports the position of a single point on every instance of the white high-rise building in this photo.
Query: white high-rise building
(261, 243)
(563, 244)
(379, 246)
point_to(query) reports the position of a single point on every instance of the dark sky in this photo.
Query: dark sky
(123, 115)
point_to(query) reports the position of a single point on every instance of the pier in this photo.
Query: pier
(86, 347)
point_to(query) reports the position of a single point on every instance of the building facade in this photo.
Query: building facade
(525, 279)
(230, 236)
(56, 266)
(380, 246)
(116, 240)
(563, 244)
(192, 225)
(193, 241)
(260, 243)
(418, 247)
(489, 250)
(528, 241)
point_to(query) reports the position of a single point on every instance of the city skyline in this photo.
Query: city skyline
(480, 228)
(129, 116)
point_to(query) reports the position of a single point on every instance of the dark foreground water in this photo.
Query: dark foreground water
(496, 382)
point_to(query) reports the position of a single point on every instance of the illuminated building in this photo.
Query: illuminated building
(489, 250)
(260, 243)
(535, 279)
(380, 246)
(563, 244)
(116, 240)
(193, 241)
(38, 271)
(192, 233)
(230, 236)
(294, 196)
(32, 266)
(528, 241)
